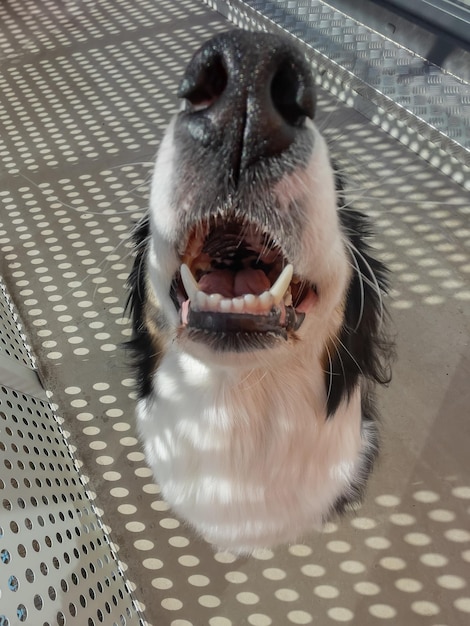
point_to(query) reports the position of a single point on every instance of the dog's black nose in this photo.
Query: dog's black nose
(249, 95)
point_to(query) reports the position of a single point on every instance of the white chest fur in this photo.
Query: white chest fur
(248, 459)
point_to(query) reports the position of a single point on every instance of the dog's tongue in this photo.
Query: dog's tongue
(233, 284)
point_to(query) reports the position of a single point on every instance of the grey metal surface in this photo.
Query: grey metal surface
(85, 92)
(450, 15)
(418, 103)
(434, 44)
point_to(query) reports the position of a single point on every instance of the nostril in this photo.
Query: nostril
(291, 97)
(205, 86)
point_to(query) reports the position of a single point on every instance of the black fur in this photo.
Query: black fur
(140, 346)
(355, 492)
(362, 348)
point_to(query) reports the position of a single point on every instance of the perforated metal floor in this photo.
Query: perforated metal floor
(57, 563)
(86, 88)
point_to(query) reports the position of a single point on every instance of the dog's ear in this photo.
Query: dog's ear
(361, 348)
(145, 345)
(136, 280)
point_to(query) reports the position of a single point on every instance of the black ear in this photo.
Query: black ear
(140, 346)
(362, 348)
(136, 279)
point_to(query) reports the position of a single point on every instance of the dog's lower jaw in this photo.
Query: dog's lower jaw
(249, 458)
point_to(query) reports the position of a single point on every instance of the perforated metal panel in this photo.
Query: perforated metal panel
(56, 564)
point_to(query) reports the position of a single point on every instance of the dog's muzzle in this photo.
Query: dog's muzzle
(244, 124)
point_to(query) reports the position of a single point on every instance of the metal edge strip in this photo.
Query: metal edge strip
(16, 323)
(21, 378)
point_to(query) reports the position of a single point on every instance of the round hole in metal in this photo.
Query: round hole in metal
(21, 550)
(29, 575)
(21, 613)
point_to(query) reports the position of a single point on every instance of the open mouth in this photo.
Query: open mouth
(234, 278)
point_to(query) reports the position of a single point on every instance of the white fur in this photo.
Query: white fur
(248, 457)
(240, 443)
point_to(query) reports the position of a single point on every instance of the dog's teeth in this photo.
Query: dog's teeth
(288, 298)
(266, 300)
(238, 305)
(189, 282)
(200, 301)
(250, 302)
(213, 301)
(282, 284)
(225, 305)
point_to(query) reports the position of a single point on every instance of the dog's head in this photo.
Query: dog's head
(248, 250)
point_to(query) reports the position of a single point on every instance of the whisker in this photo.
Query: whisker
(374, 283)
(341, 359)
(350, 355)
(330, 375)
(361, 283)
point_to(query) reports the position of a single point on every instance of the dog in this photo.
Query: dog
(256, 306)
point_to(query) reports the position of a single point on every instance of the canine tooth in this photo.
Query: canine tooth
(282, 284)
(189, 282)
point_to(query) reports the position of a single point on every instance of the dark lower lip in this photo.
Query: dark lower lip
(276, 321)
